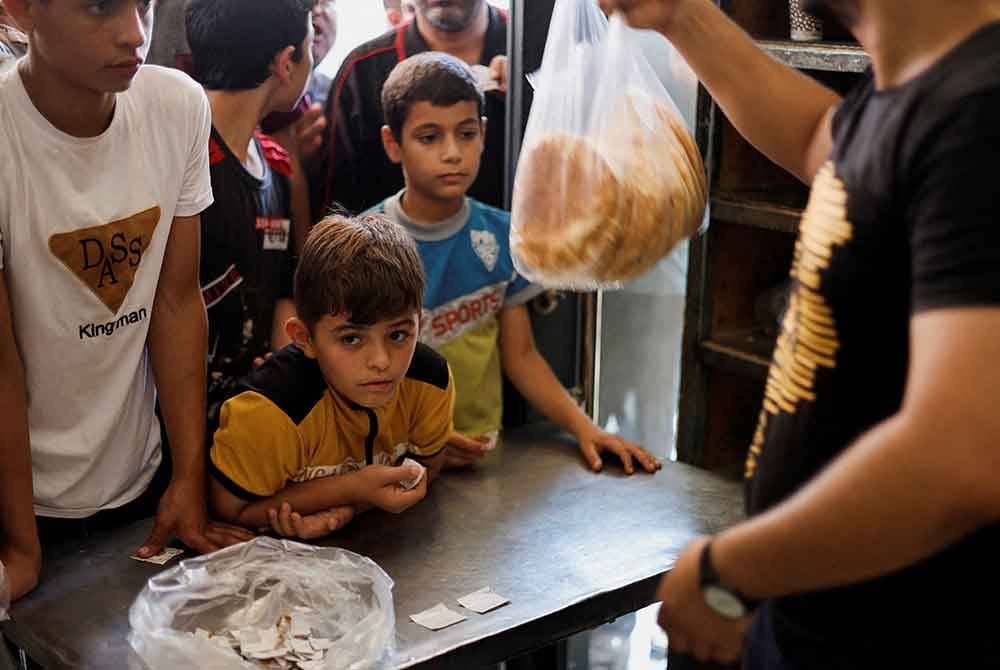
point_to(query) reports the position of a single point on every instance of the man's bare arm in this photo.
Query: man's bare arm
(912, 486)
(178, 348)
(178, 343)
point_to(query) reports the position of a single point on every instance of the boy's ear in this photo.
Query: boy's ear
(297, 329)
(392, 148)
(282, 65)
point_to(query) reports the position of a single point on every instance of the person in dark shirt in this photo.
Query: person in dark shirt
(253, 57)
(350, 169)
(872, 476)
(299, 130)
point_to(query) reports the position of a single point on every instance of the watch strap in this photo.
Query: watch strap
(709, 576)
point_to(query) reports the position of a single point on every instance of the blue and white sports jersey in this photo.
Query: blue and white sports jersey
(470, 278)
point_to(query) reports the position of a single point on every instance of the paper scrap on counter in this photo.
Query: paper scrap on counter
(483, 600)
(160, 558)
(437, 617)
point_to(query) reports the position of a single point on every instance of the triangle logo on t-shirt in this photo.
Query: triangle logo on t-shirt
(484, 243)
(106, 258)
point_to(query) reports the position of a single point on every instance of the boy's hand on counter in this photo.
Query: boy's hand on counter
(463, 451)
(288, 523)
(181, 513)
(593, 442)
(383, 488)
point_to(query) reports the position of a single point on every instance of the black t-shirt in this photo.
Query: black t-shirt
(351, 169)
(904, 218)
(247, 260)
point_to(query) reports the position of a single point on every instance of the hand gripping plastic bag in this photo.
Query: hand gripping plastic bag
(250, 586)
(609, 179)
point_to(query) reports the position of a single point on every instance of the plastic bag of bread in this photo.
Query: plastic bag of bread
(609, 179)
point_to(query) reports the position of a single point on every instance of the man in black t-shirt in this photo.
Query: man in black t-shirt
(253, 57)
(872, 478)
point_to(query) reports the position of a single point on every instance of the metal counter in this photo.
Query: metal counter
(571, 549)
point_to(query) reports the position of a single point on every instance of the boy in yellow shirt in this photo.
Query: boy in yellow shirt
(474, 306)
(322, 425)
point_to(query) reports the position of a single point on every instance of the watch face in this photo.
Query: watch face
(724, 603)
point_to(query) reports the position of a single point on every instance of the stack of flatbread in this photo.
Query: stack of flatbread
(606, 208)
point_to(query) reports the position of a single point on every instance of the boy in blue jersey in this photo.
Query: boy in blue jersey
(474, 304)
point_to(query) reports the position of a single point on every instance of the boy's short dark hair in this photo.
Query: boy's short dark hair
(433, 77)
(365, 267)
(234, 41)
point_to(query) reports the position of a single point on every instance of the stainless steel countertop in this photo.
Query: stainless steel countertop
(571, 549)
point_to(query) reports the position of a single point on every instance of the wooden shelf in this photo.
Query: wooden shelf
(762, 209)
(738, 270)
(746, 353)
(826, 56)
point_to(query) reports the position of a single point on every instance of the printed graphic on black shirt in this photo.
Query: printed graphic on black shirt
(277, 231)
(809, 339)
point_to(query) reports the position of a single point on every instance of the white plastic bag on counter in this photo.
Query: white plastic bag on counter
(251, 586)
(609, 179)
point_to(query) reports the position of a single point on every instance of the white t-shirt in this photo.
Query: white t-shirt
(84, 224)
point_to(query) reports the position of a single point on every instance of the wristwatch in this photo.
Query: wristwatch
(724, 600)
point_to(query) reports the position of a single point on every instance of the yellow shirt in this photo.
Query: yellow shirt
(286, 425)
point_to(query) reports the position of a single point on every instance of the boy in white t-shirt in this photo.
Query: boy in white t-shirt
(104, 174)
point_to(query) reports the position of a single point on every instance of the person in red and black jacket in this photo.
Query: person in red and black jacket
(351, 169)
(253, 57)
